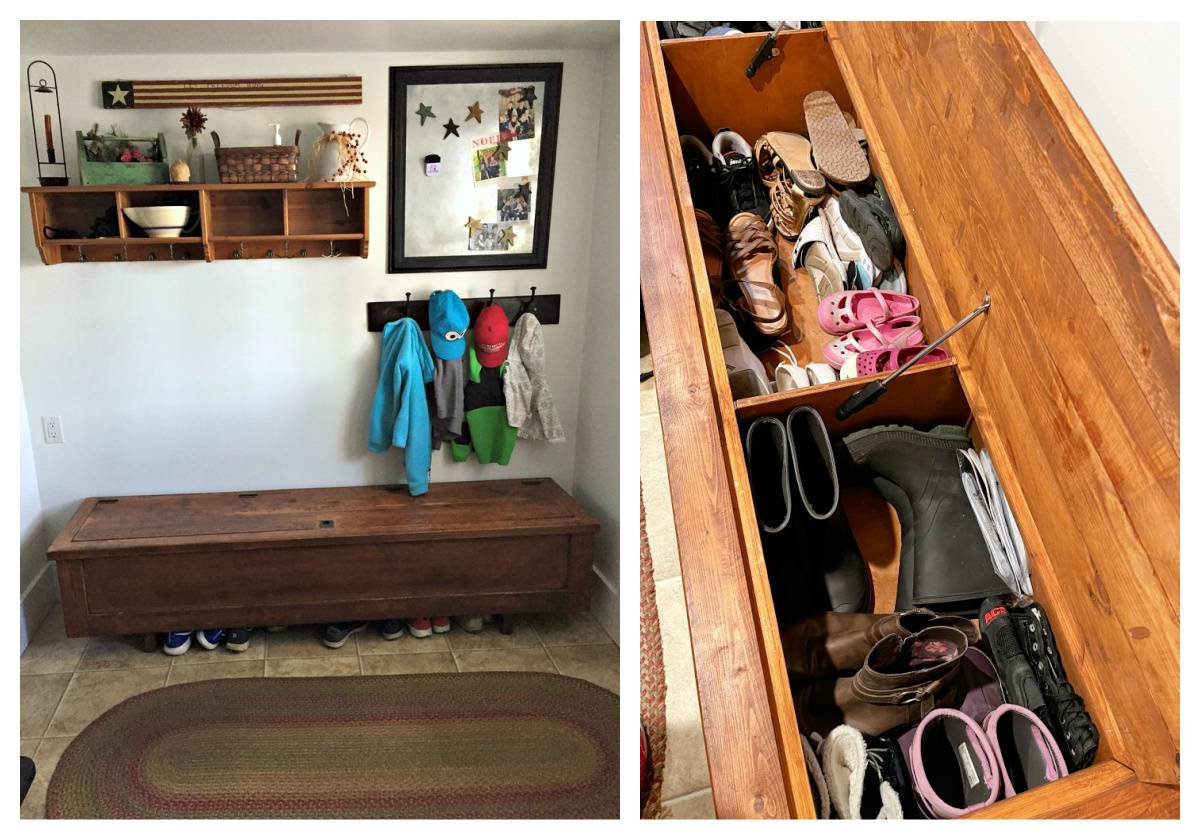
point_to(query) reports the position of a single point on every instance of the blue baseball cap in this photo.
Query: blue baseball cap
(448, 323)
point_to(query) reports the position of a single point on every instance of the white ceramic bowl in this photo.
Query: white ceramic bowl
(159, 221)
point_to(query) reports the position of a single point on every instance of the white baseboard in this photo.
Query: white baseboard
(606, 605)
(37, 599)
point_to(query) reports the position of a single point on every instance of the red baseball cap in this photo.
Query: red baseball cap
(491, 336)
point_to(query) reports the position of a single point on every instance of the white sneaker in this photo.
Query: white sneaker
(816, 252)
(747, 376)
(788, 374)
(728, 142)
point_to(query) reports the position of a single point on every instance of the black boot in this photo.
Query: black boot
(813, 562)
(1077, 735)
(944, 563)
(1016, 675)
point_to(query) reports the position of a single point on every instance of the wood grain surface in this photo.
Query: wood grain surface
(1105, 791)
(736, 715)
(189, 561)
(1003, 187)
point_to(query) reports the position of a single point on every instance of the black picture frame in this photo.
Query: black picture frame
(550, 74)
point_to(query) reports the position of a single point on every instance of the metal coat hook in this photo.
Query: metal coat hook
(125, 248)
(172, 248)
(240, 252)
(333, 253)
(407, 296)
(82, 257)
(492, 296)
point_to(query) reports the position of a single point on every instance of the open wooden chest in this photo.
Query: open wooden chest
(1071, 381)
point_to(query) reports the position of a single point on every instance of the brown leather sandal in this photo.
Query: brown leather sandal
(777, 152)
(791, 206)
(785, 165)
(751, 253)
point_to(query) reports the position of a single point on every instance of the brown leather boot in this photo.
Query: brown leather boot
(831, 644)
(902, 679)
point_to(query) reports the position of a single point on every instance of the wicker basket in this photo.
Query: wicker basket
(267, 164)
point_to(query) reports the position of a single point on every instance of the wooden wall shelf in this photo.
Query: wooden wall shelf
(243, 221)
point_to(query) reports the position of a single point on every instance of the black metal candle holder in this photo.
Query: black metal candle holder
(50, 158)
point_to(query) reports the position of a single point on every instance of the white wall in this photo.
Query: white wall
(257, 374)
(597, 448)
(39, 588)
(1125, 76)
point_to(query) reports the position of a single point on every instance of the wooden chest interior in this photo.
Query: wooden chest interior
(698, 86)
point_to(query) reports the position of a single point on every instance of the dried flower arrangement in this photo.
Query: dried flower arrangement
(352, 161)
(115, 146)
(193, 121)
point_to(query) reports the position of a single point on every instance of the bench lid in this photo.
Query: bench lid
(1003, 187)
(108, 526)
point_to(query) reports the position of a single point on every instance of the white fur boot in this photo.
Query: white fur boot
(854, 776)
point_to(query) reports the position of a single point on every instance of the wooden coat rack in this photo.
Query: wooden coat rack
(545, 308)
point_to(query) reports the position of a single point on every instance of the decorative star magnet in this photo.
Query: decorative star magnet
(507, 237)
(502, 149)
(425, 112)
(532, 96)
(474, 111)
(472, 225)
(118, 96)
(451, 128)
(523, 191)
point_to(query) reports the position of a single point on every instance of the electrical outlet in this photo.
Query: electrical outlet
(52, 429)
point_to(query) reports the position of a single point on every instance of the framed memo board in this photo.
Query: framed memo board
(471, 169)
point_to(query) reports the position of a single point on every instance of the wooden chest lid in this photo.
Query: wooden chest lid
(1003, 187)
(327, 516)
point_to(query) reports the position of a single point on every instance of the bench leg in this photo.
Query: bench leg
(506, 624)
(149, 641)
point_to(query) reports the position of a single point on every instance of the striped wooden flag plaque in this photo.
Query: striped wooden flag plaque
(249, 92)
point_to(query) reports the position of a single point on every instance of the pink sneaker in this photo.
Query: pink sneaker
(441, 624)
(901, 332)
(878, 362)
(851, 310)
(419, 627)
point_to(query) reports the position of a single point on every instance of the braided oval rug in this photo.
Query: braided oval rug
(457, 745)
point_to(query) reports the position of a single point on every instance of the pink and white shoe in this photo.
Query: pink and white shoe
(902, 332)
(441, 624)
(879, 362)
(420, 627)
(851, 310)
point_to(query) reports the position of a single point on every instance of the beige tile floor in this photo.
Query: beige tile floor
(686, 790)
(68, 682)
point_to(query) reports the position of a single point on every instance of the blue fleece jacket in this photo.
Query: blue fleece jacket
(400, 414)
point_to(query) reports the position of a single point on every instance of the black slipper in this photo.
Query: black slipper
(862, 217)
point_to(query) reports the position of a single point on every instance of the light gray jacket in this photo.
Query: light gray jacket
(527, 394)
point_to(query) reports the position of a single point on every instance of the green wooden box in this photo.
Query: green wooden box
(122, 173)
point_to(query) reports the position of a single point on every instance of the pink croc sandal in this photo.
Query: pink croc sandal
(900, 332)
(851, 310)
(889, 359)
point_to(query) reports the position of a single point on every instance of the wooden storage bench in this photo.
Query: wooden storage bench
(147, 564)
(1071, 381)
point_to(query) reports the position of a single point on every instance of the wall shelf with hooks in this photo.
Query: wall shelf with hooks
(546, 308)
(244, 221)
